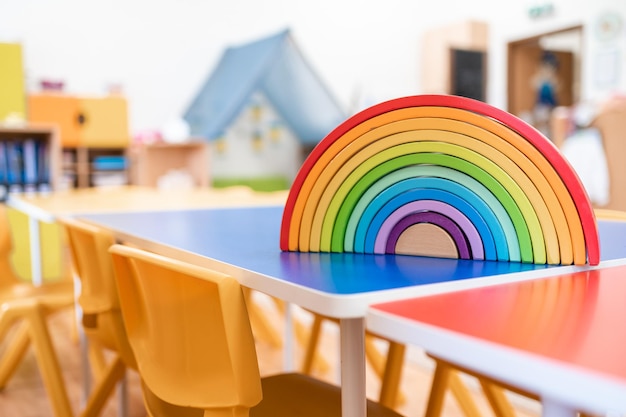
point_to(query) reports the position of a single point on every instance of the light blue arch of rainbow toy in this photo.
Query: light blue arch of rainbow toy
(474, 178)
(474, 193)
(403, 193)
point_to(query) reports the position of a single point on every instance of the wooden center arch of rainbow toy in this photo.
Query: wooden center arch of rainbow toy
(486, 184)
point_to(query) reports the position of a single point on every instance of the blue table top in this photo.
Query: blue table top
(249, 238)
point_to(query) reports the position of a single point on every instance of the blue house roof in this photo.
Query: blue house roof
(275, 67)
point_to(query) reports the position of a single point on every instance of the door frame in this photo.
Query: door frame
(513, 45)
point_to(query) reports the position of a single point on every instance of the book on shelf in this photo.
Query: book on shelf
(15, 177)
(43, 166)
(24, 166)
(29, 164)
(3, 172)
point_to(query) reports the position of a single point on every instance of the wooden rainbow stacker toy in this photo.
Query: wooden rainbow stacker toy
(442, 176)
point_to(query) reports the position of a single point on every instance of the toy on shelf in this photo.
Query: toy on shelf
(491, 186)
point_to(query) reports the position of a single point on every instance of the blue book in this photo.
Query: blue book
(3, 163)
(43, 167)
(15, 171)
(29, 164)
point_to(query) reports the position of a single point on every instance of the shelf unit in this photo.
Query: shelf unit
(47, 139)
(80, 170)
(32, 155)
(148, 163)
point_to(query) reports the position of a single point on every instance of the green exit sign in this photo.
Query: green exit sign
(541, 11)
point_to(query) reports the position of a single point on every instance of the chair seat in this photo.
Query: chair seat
(296, 394)
(21, 290)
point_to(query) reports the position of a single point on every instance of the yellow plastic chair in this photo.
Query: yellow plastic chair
(191, 334)
(101, 315)
(25, 308)
(607, 214)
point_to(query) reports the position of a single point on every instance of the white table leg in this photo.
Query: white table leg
(353, 400)
(552, 408)
(288, 354)
(35, 251)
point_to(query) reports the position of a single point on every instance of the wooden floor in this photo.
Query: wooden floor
(25, 395)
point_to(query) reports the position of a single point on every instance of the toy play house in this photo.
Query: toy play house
(263, 108)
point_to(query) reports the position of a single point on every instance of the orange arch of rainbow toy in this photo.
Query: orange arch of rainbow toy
(499, 175)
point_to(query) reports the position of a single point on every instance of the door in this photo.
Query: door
(536, 65)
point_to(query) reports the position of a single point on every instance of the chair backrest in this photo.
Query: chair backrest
(98, 299)
(190, 332)
(605, 214)
(91, 261)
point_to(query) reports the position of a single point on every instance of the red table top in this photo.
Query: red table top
(576, 318)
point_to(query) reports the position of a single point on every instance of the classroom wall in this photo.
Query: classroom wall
(161, 51)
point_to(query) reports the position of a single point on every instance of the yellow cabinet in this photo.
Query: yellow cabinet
(104, 122)
(12, 91)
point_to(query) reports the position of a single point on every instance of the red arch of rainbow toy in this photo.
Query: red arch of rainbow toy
(533, 136)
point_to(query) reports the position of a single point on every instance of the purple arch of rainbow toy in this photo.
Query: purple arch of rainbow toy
(532, 135)
(388, 245)
(396, 223)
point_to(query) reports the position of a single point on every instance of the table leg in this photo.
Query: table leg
(552, 408)
(35, 251)
(288, 354)
(353, 399)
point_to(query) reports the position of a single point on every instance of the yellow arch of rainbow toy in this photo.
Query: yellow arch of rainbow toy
(554, 205)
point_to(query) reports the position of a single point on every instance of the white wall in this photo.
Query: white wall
(160, 51)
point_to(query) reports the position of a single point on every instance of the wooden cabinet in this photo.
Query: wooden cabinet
(148, 163)
(440, 46)
(90, 128)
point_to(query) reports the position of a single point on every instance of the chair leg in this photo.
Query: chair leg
(262, 328)
(445, 376)
(95, 355)
(104, 388)
(310, 348)
(374, 356)
(441, 377)
(303, 337)
(390, 394)
(48, 362)
(462, 395)
(497, 399)
(14, 353)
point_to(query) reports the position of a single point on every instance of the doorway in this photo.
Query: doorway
(544, 73)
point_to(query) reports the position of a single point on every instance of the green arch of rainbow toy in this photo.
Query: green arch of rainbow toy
(462, 156)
